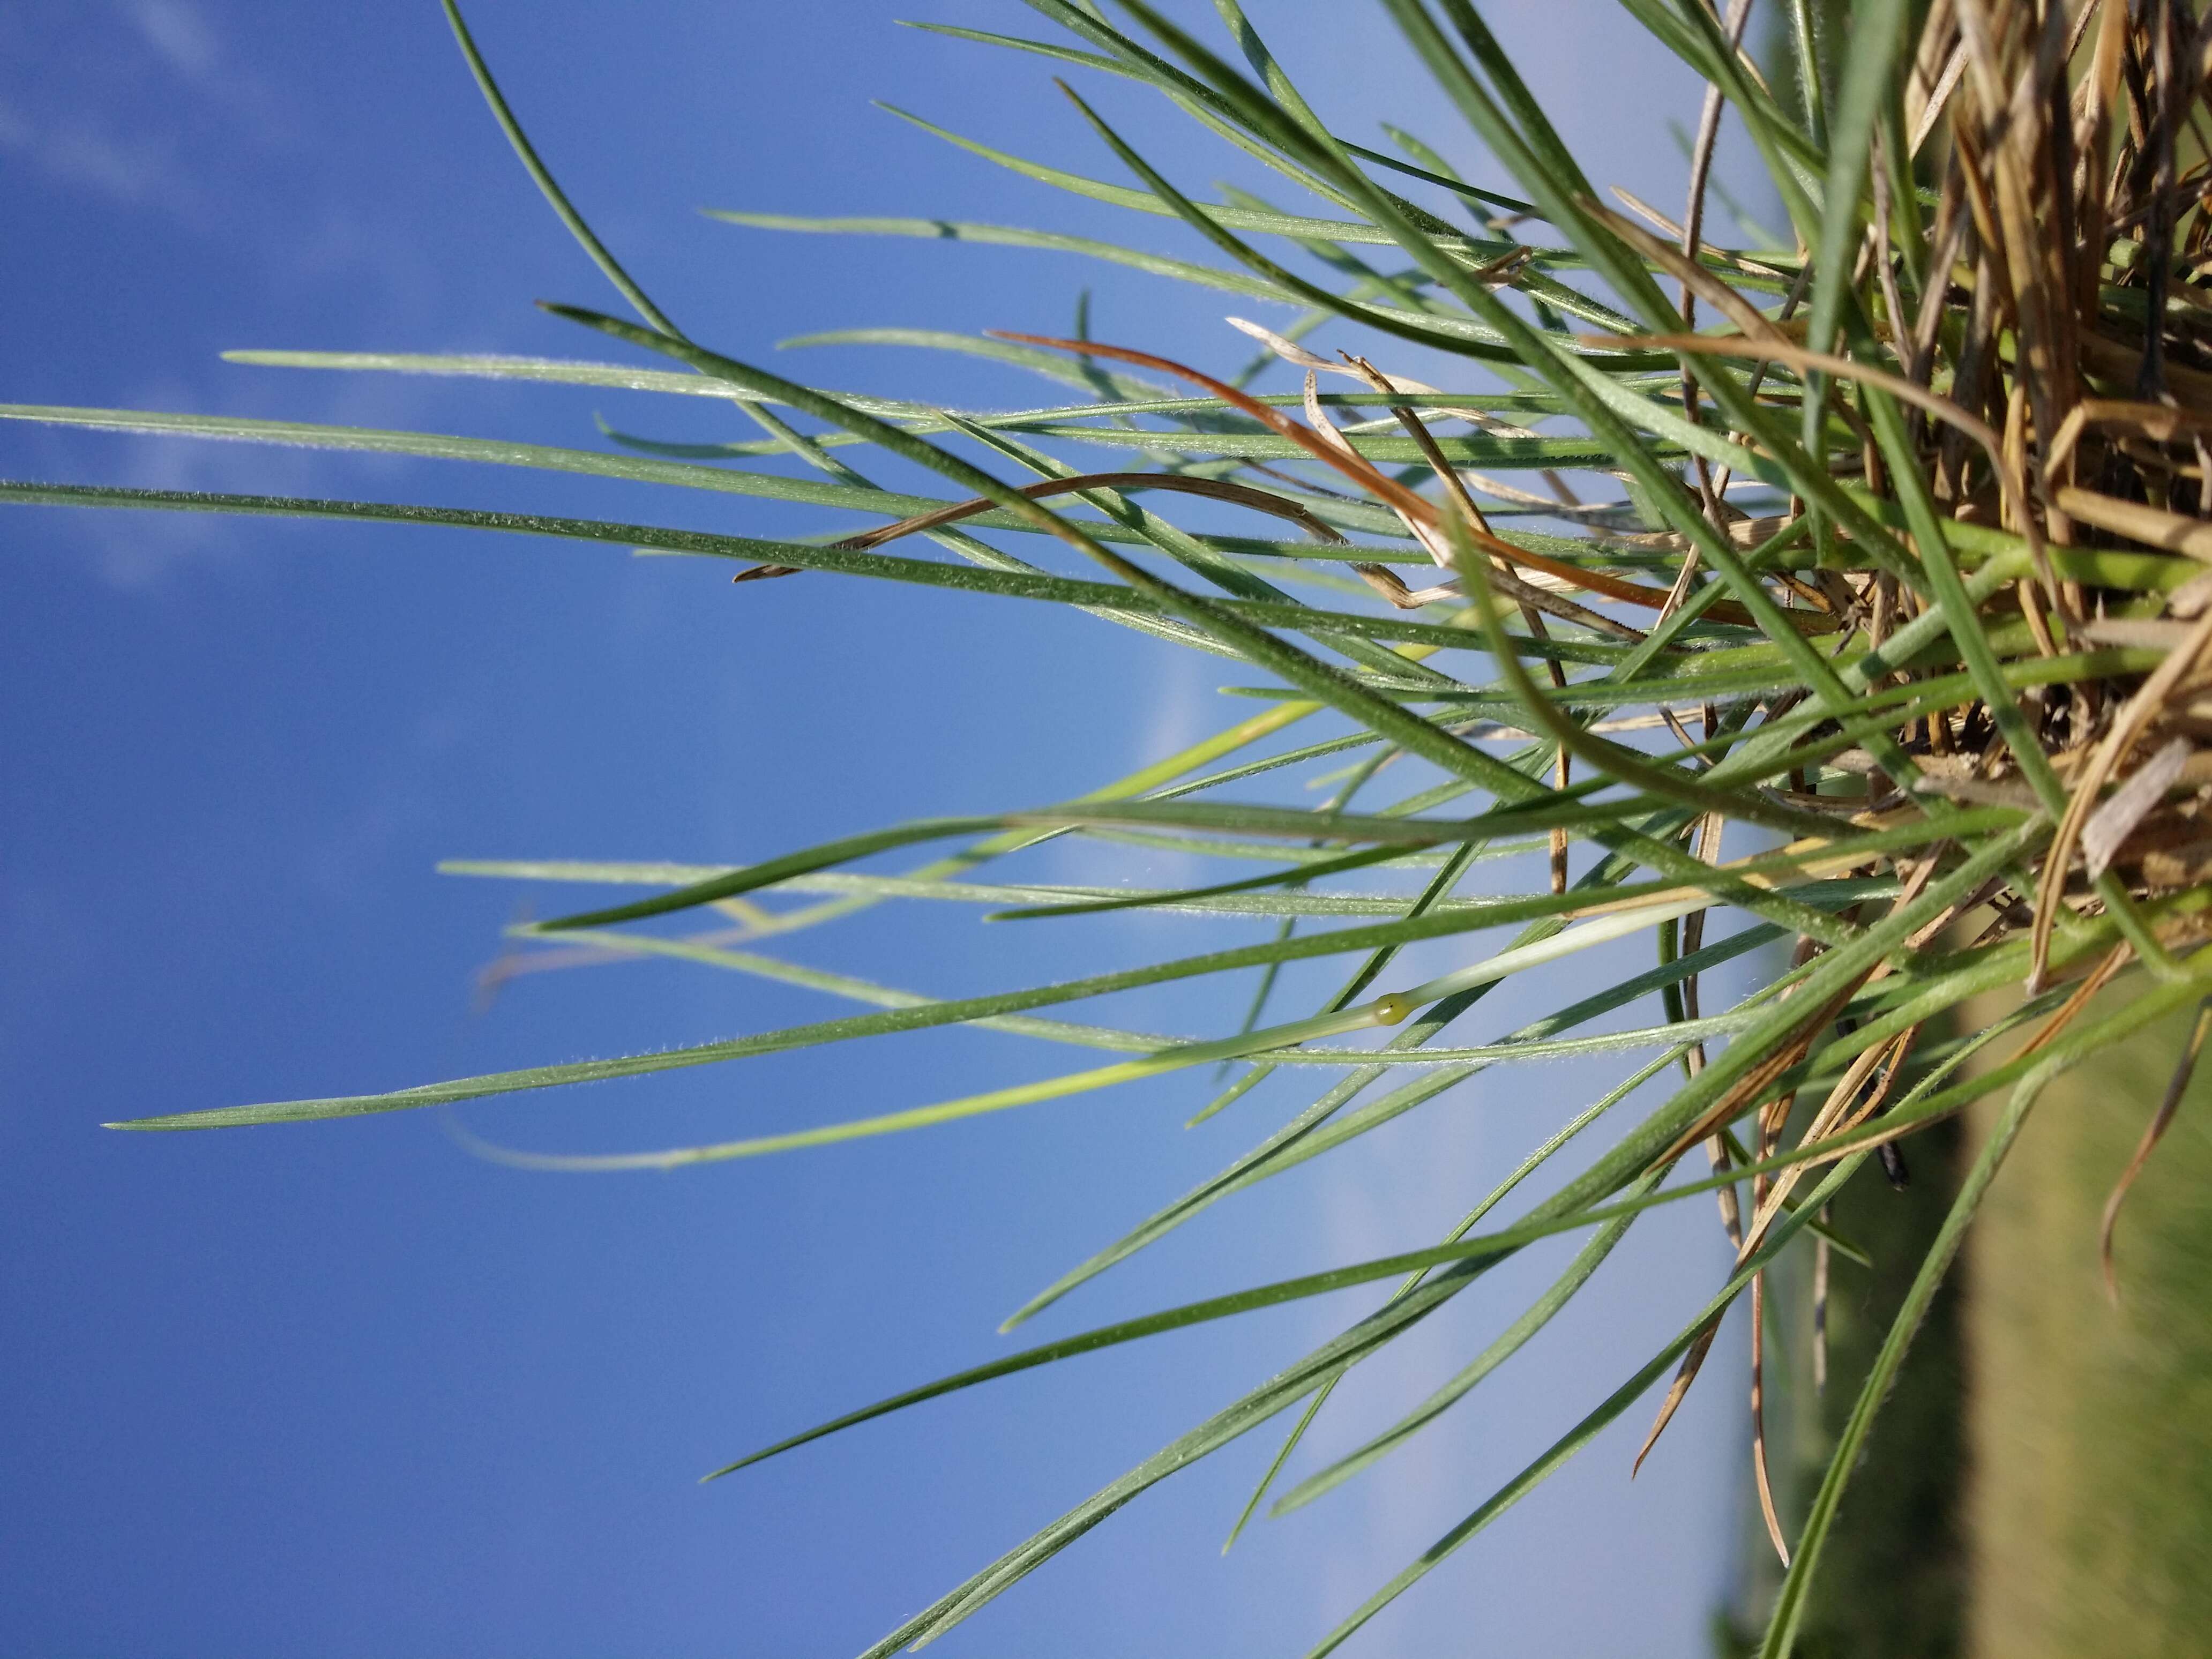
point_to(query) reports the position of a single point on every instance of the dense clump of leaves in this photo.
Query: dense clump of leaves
(1899, 565)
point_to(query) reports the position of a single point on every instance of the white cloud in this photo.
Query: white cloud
(77, 152)
(179, 33)
(113, 128)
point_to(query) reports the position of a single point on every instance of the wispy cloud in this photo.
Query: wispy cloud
(179, 33)
(81, 150)
(114, 124)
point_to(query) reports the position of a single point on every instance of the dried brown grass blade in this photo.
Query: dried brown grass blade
(1749, 1087)
(2170, 532)
(2149, 703)
(2151, 633)
(1820, 1255)
(1835, 1117)
(1532, 608)
(1220, 490)
(2157, 421)
(1364, 473)
(1939, 97)
(1343, 459)
(1400, 386)
(1758, 1419)
(2131, 803)
(2192, 599)
(2109, 360)
(1755, 1083)
(1685, 1374)
(1292, 352)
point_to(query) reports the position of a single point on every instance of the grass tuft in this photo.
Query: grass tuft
(1849, 592)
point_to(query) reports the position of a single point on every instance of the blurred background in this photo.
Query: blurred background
(350, 1389)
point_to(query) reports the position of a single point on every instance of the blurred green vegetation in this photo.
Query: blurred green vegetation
(1892, 1577)
(2039, 1485)
(2089, 1502)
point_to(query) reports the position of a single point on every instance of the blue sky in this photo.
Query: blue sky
(348, 1390)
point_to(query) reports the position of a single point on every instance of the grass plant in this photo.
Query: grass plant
(1850, 592)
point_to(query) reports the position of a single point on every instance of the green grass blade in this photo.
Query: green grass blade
(1162, 901)
(857, 989)
(958, 230)
(1503, 1347)
(1876, 46)
(608, 264)
(1174, 1059)
(953, 1012)
(1528, 1166)
(1305, 1136)
(1263, 222)
(1555, 1456)
(1049, 364)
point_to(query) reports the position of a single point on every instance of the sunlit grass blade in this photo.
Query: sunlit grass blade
(444, 447)
(1236, 218)
(1175, 1059)
(1159, 901)
(950, 1011)
(855, 988)
(958, 230)
(1050, 365)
